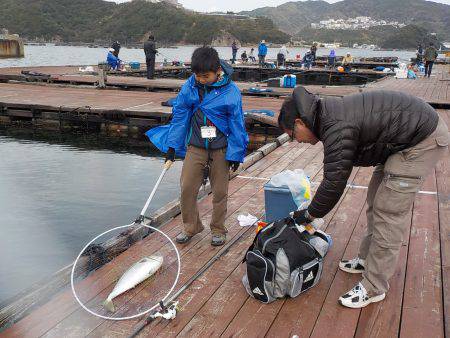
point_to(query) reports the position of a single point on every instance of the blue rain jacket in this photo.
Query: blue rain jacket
(262, 49)
(113, 61)
(221, 105)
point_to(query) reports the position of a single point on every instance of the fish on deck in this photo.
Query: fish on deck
(135, 275)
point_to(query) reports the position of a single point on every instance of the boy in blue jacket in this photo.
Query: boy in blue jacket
(208, 129)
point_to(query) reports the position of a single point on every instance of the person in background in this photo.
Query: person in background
(252, 55)
(347, 62)
(282, 56)
(430, 56)
(402, 136)
(419, 54)
(411, 73)
(150, 56)
(113, 61)
(331, 61)
(314, 53)
(307, 60)
(244, 57)
(262, 52)
(234, 50)
(208, 130)
(116, 46)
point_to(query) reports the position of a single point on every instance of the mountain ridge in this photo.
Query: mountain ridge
(292, 17)
(130, 22)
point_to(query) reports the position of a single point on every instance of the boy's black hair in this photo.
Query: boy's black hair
(151, 37)
(288, 114)
(204, 60)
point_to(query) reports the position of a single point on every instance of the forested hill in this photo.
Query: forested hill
(97, 20)
(296, 16)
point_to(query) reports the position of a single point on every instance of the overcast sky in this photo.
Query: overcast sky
(237, 5)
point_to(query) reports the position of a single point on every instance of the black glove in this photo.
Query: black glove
(301, 217)
(170, 156)
(234, 165)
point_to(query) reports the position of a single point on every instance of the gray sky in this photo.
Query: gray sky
(238, 5)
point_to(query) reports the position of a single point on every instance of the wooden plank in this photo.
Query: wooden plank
(443, 188)
(422, 313)
(192, 261)
(384, 318)
(64, 304)
(172, 229)
(344, 319)
(215, 314)
(289, 320)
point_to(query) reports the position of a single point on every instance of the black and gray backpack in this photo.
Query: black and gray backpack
(284, 261)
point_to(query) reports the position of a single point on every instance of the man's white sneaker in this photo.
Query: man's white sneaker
(355, 265)
(357, 298)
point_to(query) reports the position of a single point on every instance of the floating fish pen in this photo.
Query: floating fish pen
(249, 73)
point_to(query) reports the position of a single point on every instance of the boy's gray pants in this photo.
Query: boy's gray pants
(390, 197)
(191, 181)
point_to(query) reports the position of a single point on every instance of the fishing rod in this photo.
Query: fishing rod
(169, 311)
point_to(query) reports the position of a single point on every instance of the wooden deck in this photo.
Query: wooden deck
(418, 304)
(130, 102)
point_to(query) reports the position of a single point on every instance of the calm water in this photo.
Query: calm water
(55, 197)
(51, 55)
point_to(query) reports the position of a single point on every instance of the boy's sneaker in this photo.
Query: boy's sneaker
(218, 240)
(183, 238)
(355, 265)
(357, 298)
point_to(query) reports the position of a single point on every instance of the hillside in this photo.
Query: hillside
(97, 20)
(384, 36)
(297, 16)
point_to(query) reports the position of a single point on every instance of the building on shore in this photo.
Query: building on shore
(11, 45)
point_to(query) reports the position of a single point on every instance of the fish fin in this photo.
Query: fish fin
(109, 305)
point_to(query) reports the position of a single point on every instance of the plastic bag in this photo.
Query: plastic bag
(298, 184)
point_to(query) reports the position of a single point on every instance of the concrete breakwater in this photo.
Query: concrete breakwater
(11, 45)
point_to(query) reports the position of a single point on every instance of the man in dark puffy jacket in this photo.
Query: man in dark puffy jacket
(150, 56)
(402, 136)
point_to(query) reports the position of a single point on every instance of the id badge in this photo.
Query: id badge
(208, 132)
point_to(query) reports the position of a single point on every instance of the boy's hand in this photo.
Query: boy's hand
(170, 156)
(234, 165)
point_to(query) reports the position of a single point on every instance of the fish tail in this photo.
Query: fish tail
(109, 305)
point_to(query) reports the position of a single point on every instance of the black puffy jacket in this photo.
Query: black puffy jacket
(362, 129)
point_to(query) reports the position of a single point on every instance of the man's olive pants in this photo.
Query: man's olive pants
(191, 181)
(390, 197)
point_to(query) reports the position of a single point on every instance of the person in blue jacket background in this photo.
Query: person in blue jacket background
(262, 52)
(113, 60)
(208, 130)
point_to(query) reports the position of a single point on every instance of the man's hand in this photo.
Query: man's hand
(302, 217)
(170, 155)
(234, 165)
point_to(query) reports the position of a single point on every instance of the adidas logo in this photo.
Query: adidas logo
(257, 291)
(310, 277)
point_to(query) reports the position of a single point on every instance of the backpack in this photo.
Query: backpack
(284, 261)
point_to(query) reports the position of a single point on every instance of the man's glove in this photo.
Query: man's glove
(234, 165)
(170, 155)
(302, 217)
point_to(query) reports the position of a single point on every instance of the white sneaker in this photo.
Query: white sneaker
(357, 298)
(355, 265)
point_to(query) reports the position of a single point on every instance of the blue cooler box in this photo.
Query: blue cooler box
(289, 81)
(278, 201)
(135, 65)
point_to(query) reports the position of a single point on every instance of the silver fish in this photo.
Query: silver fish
(135, 275)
